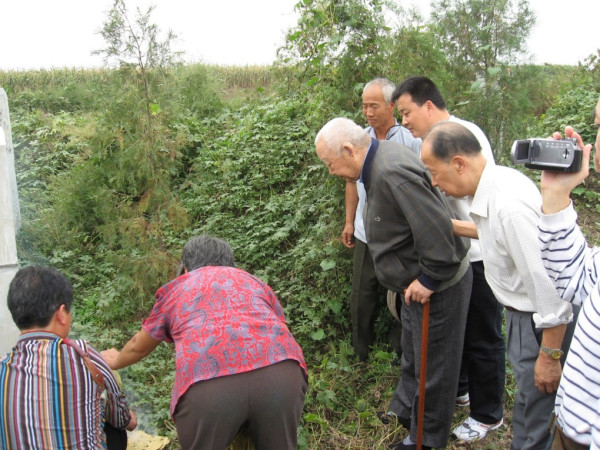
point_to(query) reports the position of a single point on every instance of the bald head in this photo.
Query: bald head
(448, 139)
(453, 156)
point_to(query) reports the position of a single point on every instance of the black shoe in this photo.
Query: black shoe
(387, 417)
(402, 446)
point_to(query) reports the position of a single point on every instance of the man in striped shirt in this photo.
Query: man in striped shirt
(574, 268)
(50, 386)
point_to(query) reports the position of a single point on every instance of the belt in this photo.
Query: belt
(511, 309)
(566, 442)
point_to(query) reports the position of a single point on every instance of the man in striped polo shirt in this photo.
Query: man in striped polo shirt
(50, 386)
(574, 268)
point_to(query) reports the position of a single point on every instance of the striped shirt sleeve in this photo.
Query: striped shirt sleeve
(595, 444)
(569, 261)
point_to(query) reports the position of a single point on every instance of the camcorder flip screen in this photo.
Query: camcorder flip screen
(548, 154)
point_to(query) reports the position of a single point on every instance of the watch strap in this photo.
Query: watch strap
(555, 353)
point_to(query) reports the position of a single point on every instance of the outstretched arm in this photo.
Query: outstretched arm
(464, 228)
(137, 348)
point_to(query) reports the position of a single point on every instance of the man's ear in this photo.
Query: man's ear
(62, 314)
(349, 149)
(459, 163)
(430, 106)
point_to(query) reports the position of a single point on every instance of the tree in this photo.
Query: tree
(119, 203)
(137, 45)
(414, 50)
(482, 39)
(479, 35)
(337, 44)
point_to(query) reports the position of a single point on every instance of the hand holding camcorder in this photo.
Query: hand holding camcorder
(548, 154)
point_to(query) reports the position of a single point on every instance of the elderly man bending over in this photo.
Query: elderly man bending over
(409, 231)
(506, 209)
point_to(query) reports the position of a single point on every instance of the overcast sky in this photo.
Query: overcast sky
(62, 33)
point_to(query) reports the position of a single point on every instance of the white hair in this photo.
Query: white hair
(339, 130)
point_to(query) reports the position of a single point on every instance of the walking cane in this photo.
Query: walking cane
(423, 375)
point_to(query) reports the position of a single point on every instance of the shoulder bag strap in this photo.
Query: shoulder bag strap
(85, 356)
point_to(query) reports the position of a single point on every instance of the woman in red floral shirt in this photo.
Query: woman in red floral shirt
(236, 361)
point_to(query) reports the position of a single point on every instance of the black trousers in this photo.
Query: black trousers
(366, 299)
(482, 372)
(115, 439)
(267, 401)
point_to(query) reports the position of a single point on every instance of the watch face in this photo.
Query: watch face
(556, 354)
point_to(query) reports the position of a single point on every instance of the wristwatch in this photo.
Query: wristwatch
(554, 353)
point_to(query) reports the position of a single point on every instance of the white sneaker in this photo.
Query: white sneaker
(463, 400)
(471, 430)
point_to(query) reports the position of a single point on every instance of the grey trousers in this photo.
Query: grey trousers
(447, 319)
(268, 401)
(532, 409)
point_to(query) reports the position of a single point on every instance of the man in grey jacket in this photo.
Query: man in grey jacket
(409, 230)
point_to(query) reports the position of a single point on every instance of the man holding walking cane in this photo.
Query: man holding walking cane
(409, 230)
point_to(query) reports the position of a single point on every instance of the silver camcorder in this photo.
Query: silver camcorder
(548, 154)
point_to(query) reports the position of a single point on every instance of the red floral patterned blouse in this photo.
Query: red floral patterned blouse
(223, 321)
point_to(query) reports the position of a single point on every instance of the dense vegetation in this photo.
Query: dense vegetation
(117, 168)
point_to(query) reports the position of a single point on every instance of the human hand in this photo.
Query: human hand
(133, 422)
(348, 235)
(556, 187)
(110, 356)
(547, 372)
(416, 292)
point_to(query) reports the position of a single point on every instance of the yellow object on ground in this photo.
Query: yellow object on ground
(140, 440)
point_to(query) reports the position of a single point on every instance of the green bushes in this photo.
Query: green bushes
(257, 183)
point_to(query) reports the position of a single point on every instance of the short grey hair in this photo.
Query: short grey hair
(339, 130)
(387, 88)
(205, 250)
